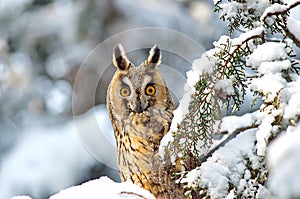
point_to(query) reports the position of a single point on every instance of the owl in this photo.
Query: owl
(141, 110)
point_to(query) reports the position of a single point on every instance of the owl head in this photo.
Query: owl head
(137, 90)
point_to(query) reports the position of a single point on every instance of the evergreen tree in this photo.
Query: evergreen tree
(233, 150)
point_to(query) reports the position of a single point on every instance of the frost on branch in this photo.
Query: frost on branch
(231, 151)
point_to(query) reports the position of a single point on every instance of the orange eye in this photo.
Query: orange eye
(150, 90)
(125, 92)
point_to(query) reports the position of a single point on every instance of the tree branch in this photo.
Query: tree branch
(271, 11)
(132, 193)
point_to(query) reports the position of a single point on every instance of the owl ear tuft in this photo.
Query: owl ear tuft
(119, 58)
(154, 57)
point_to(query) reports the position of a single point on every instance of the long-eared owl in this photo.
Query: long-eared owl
(140, 109)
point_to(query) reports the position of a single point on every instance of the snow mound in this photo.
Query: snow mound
(104, 188)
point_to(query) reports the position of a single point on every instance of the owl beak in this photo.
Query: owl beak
(138, 107)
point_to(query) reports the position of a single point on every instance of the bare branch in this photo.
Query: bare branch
(132, 193)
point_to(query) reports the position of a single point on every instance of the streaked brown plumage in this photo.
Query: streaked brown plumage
(140, 109)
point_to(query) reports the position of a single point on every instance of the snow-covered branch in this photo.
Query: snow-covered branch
(288, 25)
(218, 79)
(278, 9)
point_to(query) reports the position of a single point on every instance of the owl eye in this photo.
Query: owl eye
(150, 90)
(125, 92)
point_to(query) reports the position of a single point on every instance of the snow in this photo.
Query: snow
(227, 165)
(27, 168)
(269, 63)
(284, 161)
(251, 33)
(274, 67)
(263, 134)
(269, 84)
(202, 65)
(266, 53)
(275, 8)
(104, 188)
(225, 86)
(179, 114)
(100, 188)
(293, 2)
(181, 110)
(290, 100)
(205, 64)
(293, 108)
(231, 8)
(278, 8)
(231, 123)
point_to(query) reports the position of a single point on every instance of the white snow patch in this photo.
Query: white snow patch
(276, 7)
(205, 64)
(290, 99)
(104, 188)
(182, 109)
(251, 33)
(232, 123)
(227, 165)
(293, 108)
(274, 67)
(225, 86)
(270, 85)
(191, 177)
(266, 53)
(263, 134)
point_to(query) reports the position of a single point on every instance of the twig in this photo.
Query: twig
(132, 193)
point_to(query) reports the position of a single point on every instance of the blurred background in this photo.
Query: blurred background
(45, 100)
